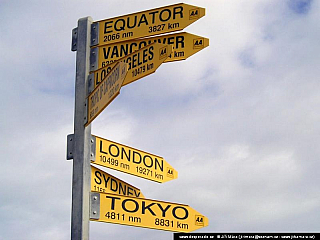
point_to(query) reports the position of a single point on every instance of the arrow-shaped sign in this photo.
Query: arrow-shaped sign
(133, 161)
(106, 183)
(146, 213)
(140, 63)
(184, 45)
(146, 23)
(109, 88)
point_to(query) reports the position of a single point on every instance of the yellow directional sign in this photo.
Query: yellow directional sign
(109, 88)
(106, 183)
(133, 161)
(146, 213)
(147, 23)
(140, 63)
(184, 45)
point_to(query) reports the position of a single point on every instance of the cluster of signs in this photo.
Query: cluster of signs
(123, 51)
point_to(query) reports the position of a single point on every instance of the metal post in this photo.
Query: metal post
(82, 135)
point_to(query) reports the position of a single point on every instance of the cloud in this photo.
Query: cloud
(238, 120)
(300, 6)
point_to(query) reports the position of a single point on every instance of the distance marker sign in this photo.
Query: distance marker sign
(109, 88)
(184, 45)
(132, 161)
(146, 23)
(140, 63)
(106, 183)
(140, 212)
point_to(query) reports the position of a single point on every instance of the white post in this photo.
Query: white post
(82, 135)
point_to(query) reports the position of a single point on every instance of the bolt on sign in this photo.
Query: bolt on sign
(140, 63)
(146, 23)
(108, 90)
(184, 45)
(106, 183)
(147, 213)
(132, 161)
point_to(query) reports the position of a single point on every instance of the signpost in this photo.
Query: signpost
(82, 134)
(140, 63)
(145, 213)
(184, 45)
(132, 161)
(146, 23)
(106, 183)
(110, 54)
(109, 88)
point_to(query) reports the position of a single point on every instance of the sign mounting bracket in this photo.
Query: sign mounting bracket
(93, 149)
(94, 59)
(94, 34)
(94, 205)
(74, 40)
(70, 146)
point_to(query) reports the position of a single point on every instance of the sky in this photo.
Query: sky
(239, 120)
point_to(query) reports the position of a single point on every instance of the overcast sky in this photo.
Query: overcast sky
(239, 120)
